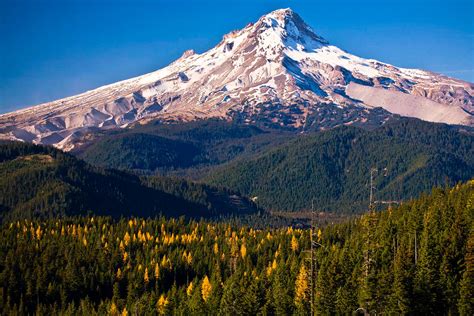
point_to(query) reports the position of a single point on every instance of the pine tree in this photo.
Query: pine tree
(466, 292)
(231, 301)
(427, 275)
(282, 293)
(253, 297)
(195, 303)
(400, 302)
(367, 294)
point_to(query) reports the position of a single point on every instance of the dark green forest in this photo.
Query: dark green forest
(417, 258)
(39, 181)
(285, 170)
(331, 168)
(185, 146)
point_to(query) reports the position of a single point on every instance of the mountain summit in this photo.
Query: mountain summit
(276, 72)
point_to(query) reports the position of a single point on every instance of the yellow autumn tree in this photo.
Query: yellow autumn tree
(271, 267)
(146, 279)
(301, 288)
(162, 304)
(243, 251)
(126, 238)
(294, 244)
(269, 270)
(38, 233)
(189, 290)
(113, 309)
(187, 258)
(206, 289)
(164, 262)
(124, 312)
(157, 271)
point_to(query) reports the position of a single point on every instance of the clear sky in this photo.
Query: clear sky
(53, 49)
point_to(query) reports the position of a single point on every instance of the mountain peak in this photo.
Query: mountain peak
(281, 14)
(276, 71)
(292, 27)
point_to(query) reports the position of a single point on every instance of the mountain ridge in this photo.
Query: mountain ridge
(286, 170)
(43, 182)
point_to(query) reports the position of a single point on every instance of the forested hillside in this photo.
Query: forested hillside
(332, 168)
(38, 181)
(414, 259)
(167, 147)
(285, 170)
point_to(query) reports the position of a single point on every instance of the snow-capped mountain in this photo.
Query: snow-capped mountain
(276, 71)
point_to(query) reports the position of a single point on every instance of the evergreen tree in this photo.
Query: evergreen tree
(400, 300)
(231, 302)
(466, 300)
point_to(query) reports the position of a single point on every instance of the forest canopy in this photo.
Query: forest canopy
(416, 258)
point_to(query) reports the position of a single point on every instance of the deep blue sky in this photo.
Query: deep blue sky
(53, 49)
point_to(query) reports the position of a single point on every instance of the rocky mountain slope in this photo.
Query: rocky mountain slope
(276, 72)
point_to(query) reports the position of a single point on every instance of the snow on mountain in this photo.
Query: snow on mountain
(276, 71)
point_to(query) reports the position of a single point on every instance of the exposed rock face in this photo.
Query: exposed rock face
(276, 71)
